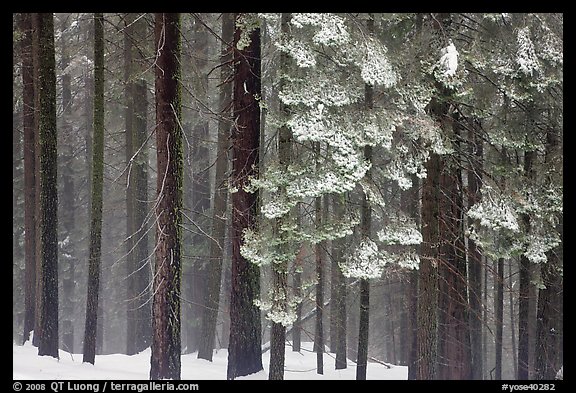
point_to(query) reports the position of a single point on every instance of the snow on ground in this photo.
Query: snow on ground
(299, 365)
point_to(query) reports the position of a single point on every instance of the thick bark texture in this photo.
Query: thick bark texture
(165, 359)
(244, 347)
(48, 316)
(90, 332)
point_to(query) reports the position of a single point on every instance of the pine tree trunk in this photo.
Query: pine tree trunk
(297, 284)
(37, 207)
(142, 276)
(341, 290)
(409, 200)
(244, 349)
(48, 316)
(454, 333)
(513, 324)
(25, 24)
(138, 323)
(365, 230)
(549, 319)
(280, 268)
(90, 331)
(198, 204)
(476, 151)
(499, 317)
(524, 295)
(427, 320)
(212, 296)
(67, 212)
(165, 359)
(131, 268)
(319, 256)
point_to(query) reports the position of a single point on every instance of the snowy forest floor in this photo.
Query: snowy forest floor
(299, 365)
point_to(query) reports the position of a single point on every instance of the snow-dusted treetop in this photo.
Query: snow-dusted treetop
(449, 60)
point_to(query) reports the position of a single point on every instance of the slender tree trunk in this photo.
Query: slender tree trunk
(25, 23)
(499, 317)
(212, 296)
(475, 254)
(297, 284)
(280, 268)
(365, 229)
(409, 200)
(198, 205)
(523, 304)
(244, 349)
(513, 324)
(524, 295)
(278, 330)
(132, 295)
(142, 276)
(333, 337)
(138, 322)
(340, 299)
(90, 331)
(48, 316)
(68, 208)
(319, 255)
(165, 359)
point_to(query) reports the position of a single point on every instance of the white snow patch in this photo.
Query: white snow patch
(449, 60)
(299, 365)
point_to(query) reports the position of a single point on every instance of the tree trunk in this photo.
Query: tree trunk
(525, 284)
(365, 230)
(297, 284)
(513, 323)
(454, 333)
(37, 208)
(341, 289)
(142, 276)
(244, 349)
(278, 330)
(67, 209)
(549, 319)
(499, 317)
(44, 28)
(25, 23)
(319, 256)
(90, 331)
(476, 151)
(138, 323)
(409, 200)
(427, 319)
(212, 296)
(198, 203)
(165, 359)
(132, 295)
